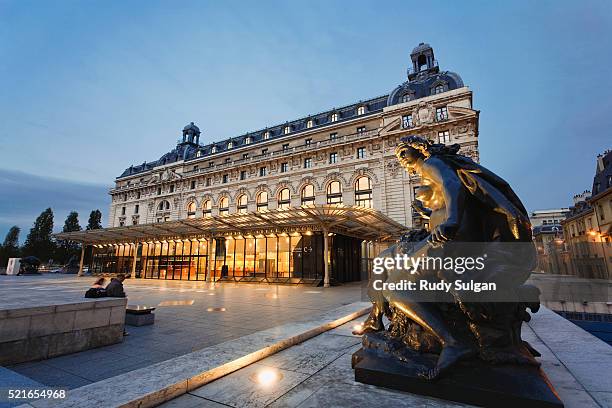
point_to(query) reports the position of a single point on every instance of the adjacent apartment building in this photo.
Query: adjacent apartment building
(588, 227)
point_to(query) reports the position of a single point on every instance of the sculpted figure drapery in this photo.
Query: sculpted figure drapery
(471, 211)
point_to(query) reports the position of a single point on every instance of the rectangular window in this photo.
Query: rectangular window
(195, 168)
(158, 190)
(243, 175)
(333, 136)
(285, 147)
(263, 171)
(193, 184)
(444, 137)
(308, 142)
(441, 113)
(245, 155)
(122, 210)
(284, 167)
(307, 163)
(211, 164)
(361, 129)
(228, 159)
(136, 208)
(361, 152)
(208, 181)
(138, 195)
(407, 121)
(333, 158)
(225, 178)
(172, 188)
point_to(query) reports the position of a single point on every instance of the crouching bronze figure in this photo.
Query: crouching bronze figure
(472, 212)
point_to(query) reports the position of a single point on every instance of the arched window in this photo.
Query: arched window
(284, 199)
(361, 110)
(262, 201)
(242, 204)
(333, 117)
(163, 206)
(207, 209)
(308, 195)
(334, 193)
(405, 98)
(213, 149)
(224, 206)
(230, 144)
(247, 140)
(191, 210)
(363, 192)
(438, 89)
(309, 124)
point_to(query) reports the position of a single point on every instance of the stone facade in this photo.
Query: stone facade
(588, 227)
(339, 145)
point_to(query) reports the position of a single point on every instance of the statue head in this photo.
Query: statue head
(412, 148)
(409, 151)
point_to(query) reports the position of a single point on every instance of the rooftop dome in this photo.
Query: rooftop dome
(192, 126)
(420, 48)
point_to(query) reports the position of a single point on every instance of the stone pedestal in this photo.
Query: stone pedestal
(476, 382)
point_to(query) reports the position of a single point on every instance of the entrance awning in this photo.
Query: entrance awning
(359, 222)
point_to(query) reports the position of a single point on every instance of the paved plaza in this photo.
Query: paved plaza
(189, 316)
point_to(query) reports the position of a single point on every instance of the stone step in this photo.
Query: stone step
(155, 384)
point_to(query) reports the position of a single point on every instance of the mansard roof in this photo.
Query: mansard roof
(424, 84)
(419, 85)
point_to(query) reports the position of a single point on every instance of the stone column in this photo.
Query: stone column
(326, 257)
(209, 260)
(82, 259)
(133, 275)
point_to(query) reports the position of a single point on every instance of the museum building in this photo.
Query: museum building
(307, 201)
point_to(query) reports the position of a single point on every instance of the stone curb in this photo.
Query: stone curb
(161, 382)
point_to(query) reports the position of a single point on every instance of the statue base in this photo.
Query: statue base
(474, 382)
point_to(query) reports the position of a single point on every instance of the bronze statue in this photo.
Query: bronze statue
(471, 211)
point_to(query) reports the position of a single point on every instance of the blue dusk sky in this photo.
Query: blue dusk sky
(88, 88)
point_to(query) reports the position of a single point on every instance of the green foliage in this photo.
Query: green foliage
(67, 250)
(39, 242)
(10, 247)
(95, 220)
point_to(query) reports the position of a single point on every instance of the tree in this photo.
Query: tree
(95, 219)
(38, 242)
(68, 249)
(95, 222)
(10, 247)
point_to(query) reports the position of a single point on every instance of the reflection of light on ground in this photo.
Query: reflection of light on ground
(216, 309)
(271, 295)
(267, 377)
(312, 291)
(358, 327)
(177, 303)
